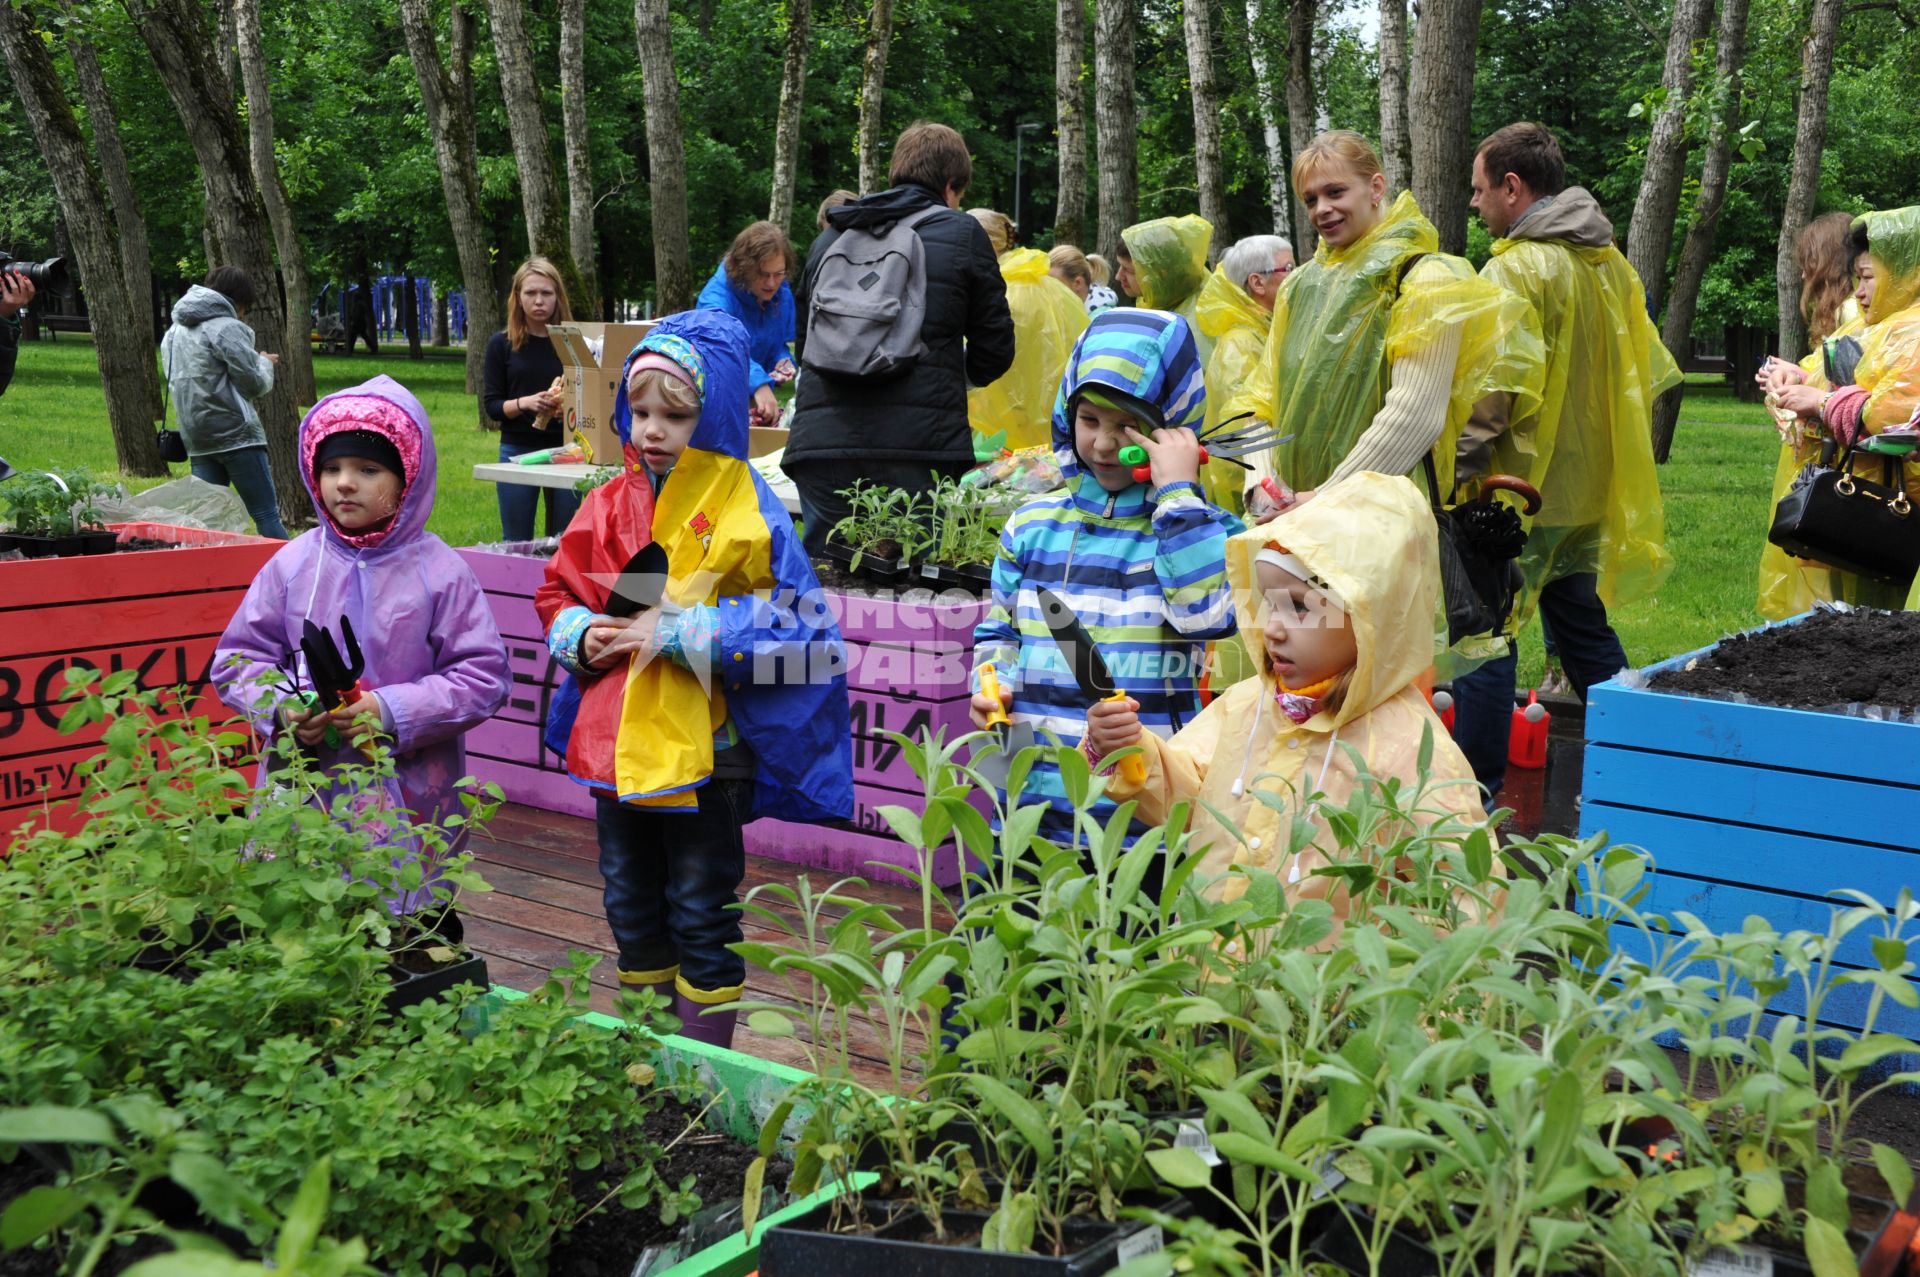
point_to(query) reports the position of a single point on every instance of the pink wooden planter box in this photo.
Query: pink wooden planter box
(909, 663)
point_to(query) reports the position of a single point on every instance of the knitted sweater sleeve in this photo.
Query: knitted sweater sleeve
(1410, 421)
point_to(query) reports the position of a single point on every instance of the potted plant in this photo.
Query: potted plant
(884, 529)
(967, 519)
(52, 515)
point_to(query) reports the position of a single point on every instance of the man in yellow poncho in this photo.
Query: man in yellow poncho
(1047, 319)
(1599, 538)
(1885, 391)
(1163, 264)
(1235, 312)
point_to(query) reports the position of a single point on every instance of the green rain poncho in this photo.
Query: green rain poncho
(1344, 318)
(1601, 509)
(1047, 320)
(1170, 264)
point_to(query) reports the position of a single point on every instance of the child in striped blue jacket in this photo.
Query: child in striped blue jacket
(1143, 564)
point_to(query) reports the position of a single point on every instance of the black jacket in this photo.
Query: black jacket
(10, 348)
(968, 330)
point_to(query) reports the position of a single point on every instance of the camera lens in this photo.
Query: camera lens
(49, 276)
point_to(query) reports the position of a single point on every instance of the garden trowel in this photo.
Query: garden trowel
(335, 678)
(641, 584)
(992, 760)
(1089, 670)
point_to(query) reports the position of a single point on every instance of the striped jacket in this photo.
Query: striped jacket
(1144, 570)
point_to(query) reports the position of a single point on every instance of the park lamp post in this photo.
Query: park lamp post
(1020, 132)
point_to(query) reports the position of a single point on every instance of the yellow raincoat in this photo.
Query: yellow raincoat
(1601, 508)
(1170, 264)
(1372, 540)
(1227, 315)
(1047, 320)
(1344, 318)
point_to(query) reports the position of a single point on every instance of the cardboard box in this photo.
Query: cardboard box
(595, 381)
(764, 439)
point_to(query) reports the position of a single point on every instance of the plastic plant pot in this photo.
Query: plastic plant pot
(97, 541)
(411, 988)
(802, 1247)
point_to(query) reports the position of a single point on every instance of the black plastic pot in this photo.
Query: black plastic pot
(888, 574)
(161, 954)
(977, 577)
(803, 1248)
(938, 576)
(410, 988)
(101, 541)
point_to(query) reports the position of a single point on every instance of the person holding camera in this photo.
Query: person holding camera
(214, 374)
(16, 290)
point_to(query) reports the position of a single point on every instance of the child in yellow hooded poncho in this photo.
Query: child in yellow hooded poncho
(1343, 588)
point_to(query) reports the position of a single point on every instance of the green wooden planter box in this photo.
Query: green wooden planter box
(753, 1087)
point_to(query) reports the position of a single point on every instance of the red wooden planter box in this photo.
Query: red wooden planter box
(156, 611)
(909, 661)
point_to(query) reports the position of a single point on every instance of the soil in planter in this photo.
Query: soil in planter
(608, 1241)
(1829, 659)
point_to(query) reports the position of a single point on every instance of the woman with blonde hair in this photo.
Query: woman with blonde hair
(521, 371)
(1101, 295)
(1016, 410)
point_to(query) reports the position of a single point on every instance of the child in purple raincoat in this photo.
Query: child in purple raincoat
(435, 663)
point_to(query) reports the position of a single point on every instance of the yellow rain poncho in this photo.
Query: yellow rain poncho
(1227, 315)
(1047, 320)
(1601, 508)
(1170, 264)
(1372, 540)
(1345, 317)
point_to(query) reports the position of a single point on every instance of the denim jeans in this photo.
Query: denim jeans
(1589, 652)
(246, 471)
(519, 501)
(672, 880)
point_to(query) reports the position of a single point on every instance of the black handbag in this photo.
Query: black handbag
(1847, 521)
(1479, 543)
(173, 444)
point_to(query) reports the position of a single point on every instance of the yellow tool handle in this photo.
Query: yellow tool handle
(990, 687)
(1133, 768)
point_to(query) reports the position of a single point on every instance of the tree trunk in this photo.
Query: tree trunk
(573, 111)
(447, 92)
(1809, 139)
(124, 349)
(1070, 120)
(666, 157)
(1684, 299)
(793, 96)
(1441, 98)
(1278, 199)
(1300, 110)
(1208, 171)
(175, 33)
(873, 83)
(539, 193)
(441, 319)
(1396, 143)
(135, 257)
(296, 361)
(1650, 234)
(410, 322)
(1114, 121)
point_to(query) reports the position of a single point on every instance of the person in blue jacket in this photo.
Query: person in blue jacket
(751, 285)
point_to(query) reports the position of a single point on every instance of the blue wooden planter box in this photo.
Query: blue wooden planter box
(1754, 809)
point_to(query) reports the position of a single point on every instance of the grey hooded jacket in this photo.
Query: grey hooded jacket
(214, 374)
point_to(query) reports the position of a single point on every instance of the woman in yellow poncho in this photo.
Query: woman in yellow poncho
(1163, 264)
(1885, 390)
(1234, 311)
(1047, 319)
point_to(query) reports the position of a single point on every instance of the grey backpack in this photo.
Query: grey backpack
(868, 300)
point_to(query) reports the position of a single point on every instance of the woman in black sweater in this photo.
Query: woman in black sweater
(521, 367)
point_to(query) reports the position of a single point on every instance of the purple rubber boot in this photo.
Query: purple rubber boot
(715, 1027)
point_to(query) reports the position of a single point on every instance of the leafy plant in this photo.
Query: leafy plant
(880, 516)
(52, 505)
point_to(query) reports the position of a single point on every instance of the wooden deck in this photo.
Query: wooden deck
(544, 869)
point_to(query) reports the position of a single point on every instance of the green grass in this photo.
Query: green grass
(1716, 485)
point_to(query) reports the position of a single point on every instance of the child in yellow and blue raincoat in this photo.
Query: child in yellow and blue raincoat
(723, 704)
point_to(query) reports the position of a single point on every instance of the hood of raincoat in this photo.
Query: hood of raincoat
(201, 304)
(1893, 242)
(712, 346)
(1573, 215)
(387, 408)
(1224, 305)
(1372, 539)
(1141, 354)
(1169, 258)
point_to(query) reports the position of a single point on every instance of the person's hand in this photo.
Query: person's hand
(1805, 400)
(610, 637)
(1173, 454)
(1113, 725)
(784, 372)
(1777, 372)
(16, 290)
(982, 705)
(358, 720)
(271, 357)
(309, 724)
(765, 409)
(533, 405)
